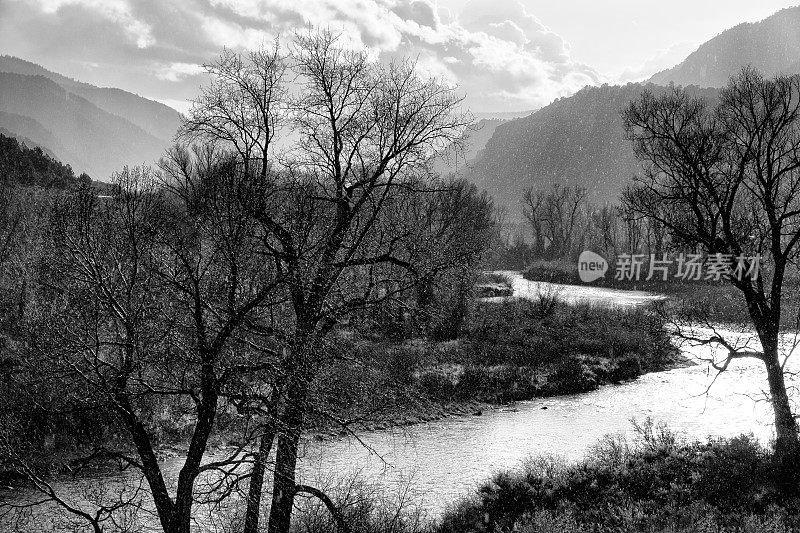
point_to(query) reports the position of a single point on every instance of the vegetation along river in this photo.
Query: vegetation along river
(436, 462)
(442, 460)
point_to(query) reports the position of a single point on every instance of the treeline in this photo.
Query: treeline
(33, 167)
(561, 222)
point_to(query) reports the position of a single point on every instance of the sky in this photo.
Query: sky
(504, 55)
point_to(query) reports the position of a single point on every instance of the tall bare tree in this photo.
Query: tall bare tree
(366, 131)
(346, 221)
(243, 106)
(727, 180)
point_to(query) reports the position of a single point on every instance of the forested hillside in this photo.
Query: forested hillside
(33, 167)
(573, 141)
(771, 45)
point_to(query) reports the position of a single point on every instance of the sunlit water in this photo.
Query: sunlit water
(578, 293)
(440, 461)
(446, 459)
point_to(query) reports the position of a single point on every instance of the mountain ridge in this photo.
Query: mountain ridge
(579, 140)
(156, 118)
(771, 45)
(90, 139)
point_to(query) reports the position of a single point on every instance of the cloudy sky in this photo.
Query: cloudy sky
(506, 55)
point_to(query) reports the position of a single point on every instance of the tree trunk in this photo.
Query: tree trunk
(206, 414)
(787, 445)
(284, 488)
(165, 507)
(257, 479)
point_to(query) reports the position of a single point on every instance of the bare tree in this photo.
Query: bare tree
(554, 216)
(727, 180)
(149, 300)
(243, 106)
(346, 216)
(366, 132)
(243, 109)
(533, 211)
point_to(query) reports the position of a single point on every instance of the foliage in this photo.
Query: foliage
(33, 167)
(655, 483)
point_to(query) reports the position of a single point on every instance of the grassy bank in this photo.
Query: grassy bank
(657, 483)
(511, 350)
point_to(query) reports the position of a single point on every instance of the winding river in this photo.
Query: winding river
(443, 460)
(437, 462)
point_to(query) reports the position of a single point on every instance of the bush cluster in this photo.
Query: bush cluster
(657, 483)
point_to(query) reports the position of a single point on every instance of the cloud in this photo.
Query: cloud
(661, 60)
(115, 11)
(501, 56)
(178, 71)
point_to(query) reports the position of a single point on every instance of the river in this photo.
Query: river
(443, 460)
(438, 462)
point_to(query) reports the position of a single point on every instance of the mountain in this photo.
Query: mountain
(96, 130)
(80, 133)
(502, 115)
(771, 45)
(28, 143)
(577, 140)
(475, 140)
(155, 118)
(26, 129)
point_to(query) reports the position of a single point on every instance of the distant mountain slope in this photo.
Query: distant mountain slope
(32, 166)
(575, 140)
(771, 45)
(29, 131)
(155, 118)
(29, 143)
(478, 137)
(87, 137)
(475, 140)
(502, 115)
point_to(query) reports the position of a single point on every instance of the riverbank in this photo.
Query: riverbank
(510, 351)
(655, 483)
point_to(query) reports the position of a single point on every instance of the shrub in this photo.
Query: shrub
(547, 300)
(655, 483)
(438, 384)
(493, 278)
(365, 508)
